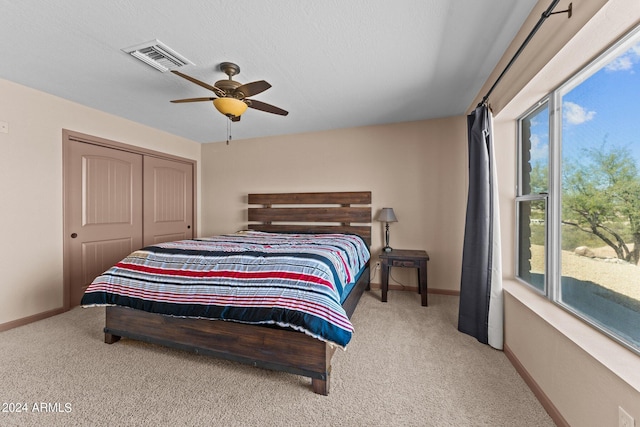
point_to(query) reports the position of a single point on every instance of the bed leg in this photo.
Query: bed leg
(110, 338)
(320, 386)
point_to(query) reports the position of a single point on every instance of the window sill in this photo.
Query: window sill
(619, 360)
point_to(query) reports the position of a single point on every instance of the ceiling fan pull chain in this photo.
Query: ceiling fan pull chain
(228, 131)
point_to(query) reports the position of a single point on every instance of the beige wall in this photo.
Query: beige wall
(31, 189)
(418, 169)
(585, 374)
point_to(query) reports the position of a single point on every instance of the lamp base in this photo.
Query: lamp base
(387, 249)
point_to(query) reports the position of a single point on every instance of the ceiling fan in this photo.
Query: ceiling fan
(233, 97)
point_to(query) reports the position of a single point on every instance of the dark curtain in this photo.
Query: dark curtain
(481, 311)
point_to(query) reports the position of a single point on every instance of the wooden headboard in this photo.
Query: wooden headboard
(313, 213)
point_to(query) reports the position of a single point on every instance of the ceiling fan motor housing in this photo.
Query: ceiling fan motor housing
(229, 87)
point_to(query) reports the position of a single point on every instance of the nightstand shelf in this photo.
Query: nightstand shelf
(408, 259)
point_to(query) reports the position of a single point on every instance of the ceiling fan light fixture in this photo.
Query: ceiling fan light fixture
(230, 106)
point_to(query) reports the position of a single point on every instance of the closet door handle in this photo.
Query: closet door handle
(74, 235)
(188, 226)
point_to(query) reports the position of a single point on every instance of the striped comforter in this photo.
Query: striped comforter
(290, 280)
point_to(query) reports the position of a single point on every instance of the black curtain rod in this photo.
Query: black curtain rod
(547, 13)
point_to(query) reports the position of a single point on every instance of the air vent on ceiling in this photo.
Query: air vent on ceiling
(158, 55)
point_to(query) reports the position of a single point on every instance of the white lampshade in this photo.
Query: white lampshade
(387, 215)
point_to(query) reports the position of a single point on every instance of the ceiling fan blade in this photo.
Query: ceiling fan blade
(193, 100)
(253, 88)
(263, 106)
(217, 91)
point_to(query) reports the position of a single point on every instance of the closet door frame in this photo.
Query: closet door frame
(68, 135)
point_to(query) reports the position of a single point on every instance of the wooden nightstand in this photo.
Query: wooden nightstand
(405, 258)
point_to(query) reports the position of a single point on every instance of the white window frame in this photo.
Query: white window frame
(530, 198)
(553, 200)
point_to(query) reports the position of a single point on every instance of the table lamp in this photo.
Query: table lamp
(386, 215)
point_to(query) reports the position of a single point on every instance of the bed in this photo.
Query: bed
(278, 345)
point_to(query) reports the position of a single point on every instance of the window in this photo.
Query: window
(578, 195)
(533, 184)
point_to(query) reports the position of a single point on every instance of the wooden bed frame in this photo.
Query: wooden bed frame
(266, 347)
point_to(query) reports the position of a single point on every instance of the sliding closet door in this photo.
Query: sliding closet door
(103, 211)
(168, 200)
(118, 198)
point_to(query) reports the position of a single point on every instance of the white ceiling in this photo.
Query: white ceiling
(332, 63)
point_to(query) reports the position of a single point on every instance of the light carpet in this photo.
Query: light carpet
(407, 365)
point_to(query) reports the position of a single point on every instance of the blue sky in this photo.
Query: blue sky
(604, 107)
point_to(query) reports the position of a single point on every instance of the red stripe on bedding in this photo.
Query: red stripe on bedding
(273, 274)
